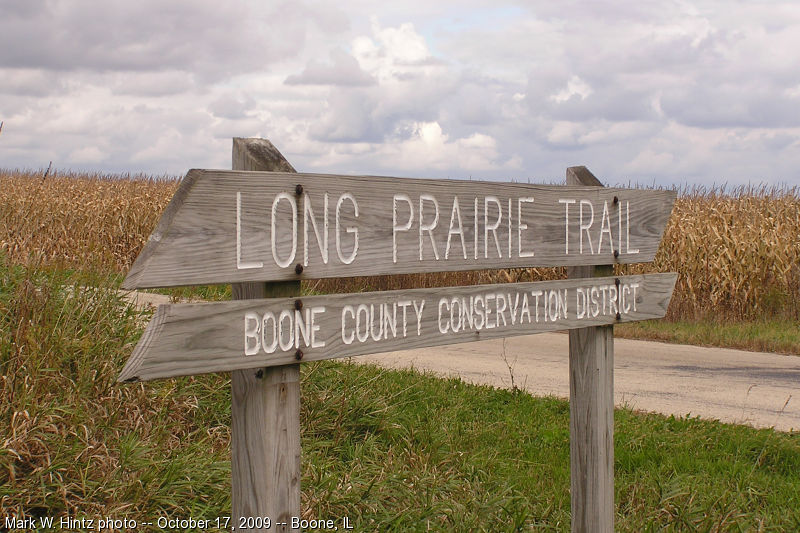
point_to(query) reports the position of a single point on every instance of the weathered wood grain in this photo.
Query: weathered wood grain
(265, 404)
(187, 339)
(591, 408)
(514, 225)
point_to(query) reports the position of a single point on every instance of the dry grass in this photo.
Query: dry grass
(737, 253)
(79, 220)
(424, 453)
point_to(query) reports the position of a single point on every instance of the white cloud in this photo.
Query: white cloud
(430, 148)
(231, 106)
(89, 154)
(575, 87)
(670, 90)
(343, 70)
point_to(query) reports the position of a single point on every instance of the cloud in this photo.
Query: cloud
(29, 82)
(426, 150)
(88, 154)
(392, 54)
(576, 88)
(232, 107)
(748, 104)
(670, 91)
(349, 116)
(187, 35)
(406, 85)
(344, 70)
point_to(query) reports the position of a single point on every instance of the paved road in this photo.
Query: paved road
(754, 388)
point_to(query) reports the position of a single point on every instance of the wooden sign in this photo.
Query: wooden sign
(187, 339)
(246, 228)
(234, 226)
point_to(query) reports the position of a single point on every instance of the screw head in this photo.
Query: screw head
(298, 304)
(616, 200)
(616, 254)
(260, 373)
(298, 268)
(298, 354)
(298, 189)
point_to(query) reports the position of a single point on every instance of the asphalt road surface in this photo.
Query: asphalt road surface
(735, 386)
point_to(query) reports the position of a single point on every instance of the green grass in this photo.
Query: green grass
(779, 336)
(392, 450)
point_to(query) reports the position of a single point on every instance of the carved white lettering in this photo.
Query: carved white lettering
(251, 333)
(525, 308)
(585, 227)
(521, 226)
(242, 265)
(566, 203)
(285, 346)
(322, 241)
(390, 321)
(628, 248)
(428, 227)
(605, 227)
(348, 339)
(404, 304)
(418, 312)
(493, 227)
(268, 318)
(443, 302)
(475, 230)
(315, 326)
(292, 202)
(302, 327)
(501, 309)
(349, 229)
(365, 329)
(455, 217)
(536, 295)
(403, 227)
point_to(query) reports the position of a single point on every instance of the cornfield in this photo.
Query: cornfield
(737, 252)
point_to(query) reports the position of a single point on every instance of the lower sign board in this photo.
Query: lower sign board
(187, 339)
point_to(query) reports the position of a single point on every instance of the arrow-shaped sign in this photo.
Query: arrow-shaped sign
(187, 339)
(232, 226)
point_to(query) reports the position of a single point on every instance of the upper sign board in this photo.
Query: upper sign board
(233, 226)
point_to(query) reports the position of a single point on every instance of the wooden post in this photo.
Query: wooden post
(591, 408)
(265, 403)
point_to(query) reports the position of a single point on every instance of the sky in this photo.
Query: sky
(647, 92)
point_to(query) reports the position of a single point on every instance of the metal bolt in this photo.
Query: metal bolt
(260, 373)
(298, 189)
(298, 304)
(298, 268)
(616, 254)
(618, 316)
(616, 200)
(298, 354)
